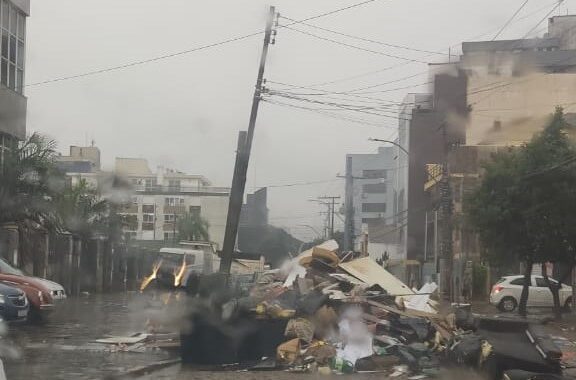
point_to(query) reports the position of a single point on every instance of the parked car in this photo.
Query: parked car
(39, 296)
(506, 293)
(14, 305)
(56, 290)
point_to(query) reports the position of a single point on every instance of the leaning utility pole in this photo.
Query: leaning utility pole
(243, 157)
(331, 210)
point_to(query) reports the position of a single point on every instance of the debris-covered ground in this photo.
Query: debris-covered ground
(330, 313)
(321, 314)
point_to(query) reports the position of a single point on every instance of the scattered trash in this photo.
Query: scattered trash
(327, 312)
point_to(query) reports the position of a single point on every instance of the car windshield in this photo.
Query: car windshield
(8, 269)
(324, 187)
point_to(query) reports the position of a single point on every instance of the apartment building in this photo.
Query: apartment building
(161, 197)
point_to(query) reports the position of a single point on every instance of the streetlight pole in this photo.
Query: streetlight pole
(391, 142)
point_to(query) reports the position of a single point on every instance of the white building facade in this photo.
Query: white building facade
(161, 197)
(374, 195)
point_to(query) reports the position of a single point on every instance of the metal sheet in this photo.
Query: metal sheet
(369, 272)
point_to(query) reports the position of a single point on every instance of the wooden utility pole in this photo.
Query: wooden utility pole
(243, 157)
(446, 213)
(331, 210)
(349, 207)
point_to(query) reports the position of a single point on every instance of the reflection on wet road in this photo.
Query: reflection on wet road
(64, 347)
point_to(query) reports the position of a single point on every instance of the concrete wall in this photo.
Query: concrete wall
(12, 113)
(431, 132)
(410, 103)
(512, 114)
(563, 28)
(215, 210)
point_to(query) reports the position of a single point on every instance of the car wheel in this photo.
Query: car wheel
(35, 317)
(508, 304)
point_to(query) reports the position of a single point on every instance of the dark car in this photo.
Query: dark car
(14, 305)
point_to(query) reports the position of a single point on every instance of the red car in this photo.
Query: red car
(39, 296)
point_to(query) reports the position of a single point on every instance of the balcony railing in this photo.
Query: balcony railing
(182, 189)
(174, 209)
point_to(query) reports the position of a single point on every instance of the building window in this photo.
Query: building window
(373, 207)
(374, 188)
(374, 173)
(148, 222)
(150, 184)
(173, 201)
(195, 210)
(174, 185)
(13, 28)
(130, 235)
(148, 209)
(169, 218)
(169, 236)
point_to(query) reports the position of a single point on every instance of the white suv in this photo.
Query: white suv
(506, 293)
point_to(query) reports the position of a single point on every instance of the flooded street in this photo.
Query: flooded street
(64, 347)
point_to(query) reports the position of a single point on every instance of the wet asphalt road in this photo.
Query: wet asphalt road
(63, 348)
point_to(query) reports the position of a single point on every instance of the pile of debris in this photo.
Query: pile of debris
(330, 314)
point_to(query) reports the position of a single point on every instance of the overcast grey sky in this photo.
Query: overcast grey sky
(185, 112)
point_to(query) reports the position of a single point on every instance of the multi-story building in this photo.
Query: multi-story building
(161, 197)
(158, 198)
(499, 94)
(371, 194)
(255, 210)
(13, 15)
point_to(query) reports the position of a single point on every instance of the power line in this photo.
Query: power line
(543, 19)
(188, 51)
(366, 39)
(346, 107)
(510, 20)
(144, 61)
(299, 183)
(338, 117)
(401, 64)
(324, 93)
(353, 46)
(392, 89)
(297, 96)
(337, 11)
(392, 81)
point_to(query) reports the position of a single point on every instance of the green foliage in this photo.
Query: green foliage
(191, 226)
(29, 181)
(81, 210)
(525, 207)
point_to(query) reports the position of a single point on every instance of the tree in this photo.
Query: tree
(191, 226)
(28, 182)
(81, 210)
(525, 207)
